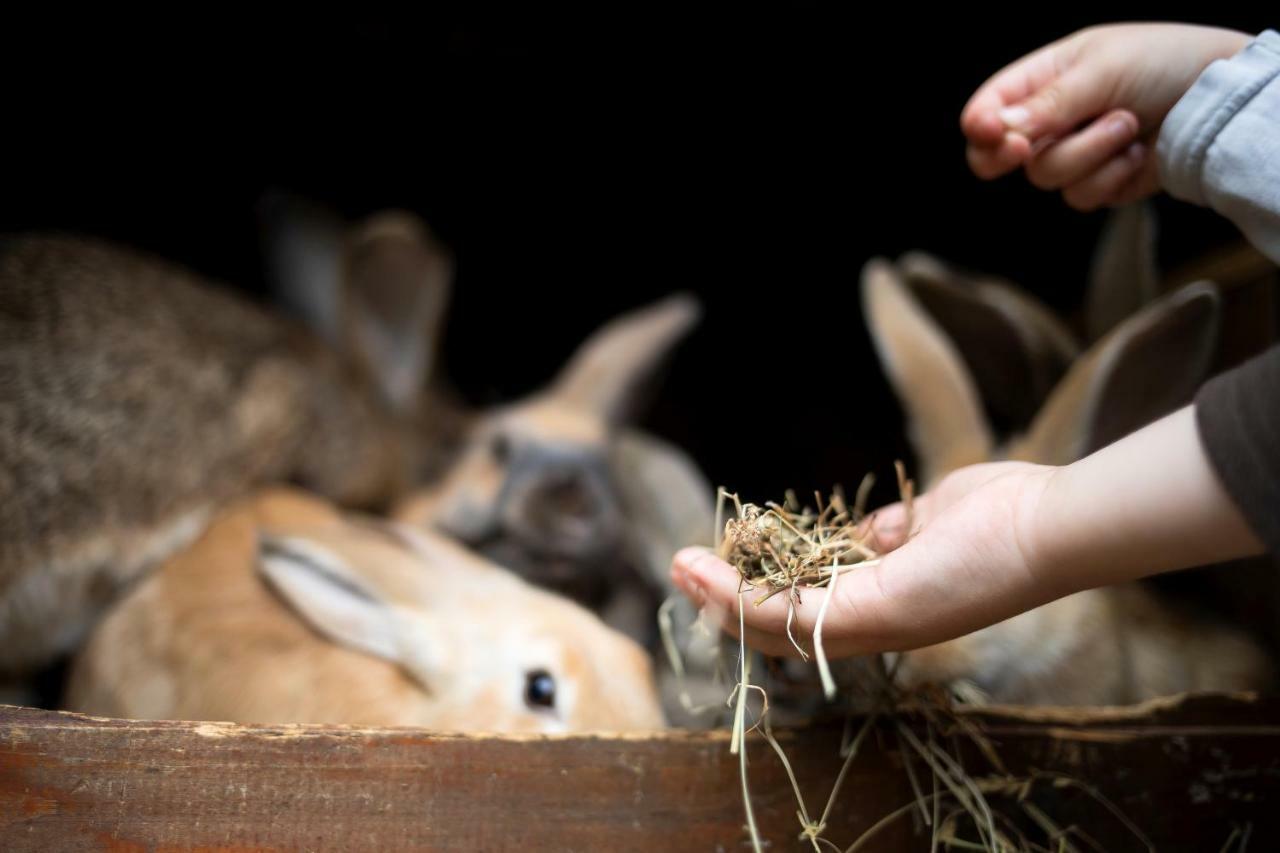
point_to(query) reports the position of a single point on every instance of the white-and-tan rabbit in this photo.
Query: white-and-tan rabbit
(1105, 646)
(286, 610)
(138, 398)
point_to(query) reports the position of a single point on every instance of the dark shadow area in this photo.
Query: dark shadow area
(579, 166)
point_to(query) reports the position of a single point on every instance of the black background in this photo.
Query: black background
(579, 165)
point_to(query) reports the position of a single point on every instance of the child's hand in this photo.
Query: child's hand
(1081, 115)
(968, 565)
(991, 541)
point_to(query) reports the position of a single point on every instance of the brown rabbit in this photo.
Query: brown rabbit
(1103, 646)
(138, 398)
(288, 611)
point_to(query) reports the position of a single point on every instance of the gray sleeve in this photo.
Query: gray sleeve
(1220, 145)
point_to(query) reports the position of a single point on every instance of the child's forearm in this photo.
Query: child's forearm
(1147, 504)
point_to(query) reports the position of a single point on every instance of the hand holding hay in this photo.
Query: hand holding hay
(786, 548)
(790, 550)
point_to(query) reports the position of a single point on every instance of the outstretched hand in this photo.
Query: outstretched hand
(1081, 115)
(968, 564)
(994, 540)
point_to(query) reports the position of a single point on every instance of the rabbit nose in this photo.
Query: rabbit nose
(566, 509)
(565, 502)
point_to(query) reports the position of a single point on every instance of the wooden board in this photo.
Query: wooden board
(1185, 771)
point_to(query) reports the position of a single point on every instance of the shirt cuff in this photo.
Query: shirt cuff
(1207, 107)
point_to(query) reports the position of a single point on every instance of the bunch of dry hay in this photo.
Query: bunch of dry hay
(788, 549)
(781, 548)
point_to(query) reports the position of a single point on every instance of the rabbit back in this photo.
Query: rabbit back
(134, 398)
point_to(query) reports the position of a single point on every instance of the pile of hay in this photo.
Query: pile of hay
(786, 548)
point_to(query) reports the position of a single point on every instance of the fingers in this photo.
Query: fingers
(1075, 96)
(990, 162)
(1078, 156)
(1129, 173)
(1028, 131)
(980, 119)
(859, 602)
(886, 528)
(1145, 183)
(1099, 166)
(994, 150)
(1029, 115)
(708, 581)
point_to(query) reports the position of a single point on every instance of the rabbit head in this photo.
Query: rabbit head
(535, 485)
(964, 352)
(288, 611)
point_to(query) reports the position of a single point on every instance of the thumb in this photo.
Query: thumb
(1060, 105)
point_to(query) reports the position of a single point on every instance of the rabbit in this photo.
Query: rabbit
(556, 487)
(287, 610)
(1099, 647)
(669, 505)
(540, 485)
(139, 398)
(1016, 351)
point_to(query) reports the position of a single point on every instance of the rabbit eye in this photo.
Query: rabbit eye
(500, 448)
(540, 689)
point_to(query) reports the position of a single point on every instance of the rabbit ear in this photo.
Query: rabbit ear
(1145, 368)
(1124, 276)
(1016, 349)
(608, 371)
(328, 595)
(396, 281)
(668, 501)
(377, 292)
(946, 423)
(303, 243)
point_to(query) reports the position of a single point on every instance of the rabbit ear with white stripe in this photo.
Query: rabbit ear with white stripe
(328, 595)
